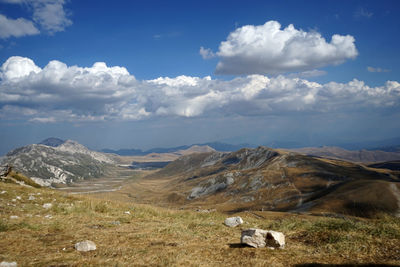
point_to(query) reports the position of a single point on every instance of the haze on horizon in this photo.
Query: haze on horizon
(159, 74)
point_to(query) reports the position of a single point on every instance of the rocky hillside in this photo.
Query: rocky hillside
(268, 179)
(56, 161)
(350, 155)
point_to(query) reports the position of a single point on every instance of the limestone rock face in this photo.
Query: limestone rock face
(259, 238)
(233, 221)
(86, 245)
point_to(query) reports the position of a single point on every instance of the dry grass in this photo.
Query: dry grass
(163, 237)
(16, 177)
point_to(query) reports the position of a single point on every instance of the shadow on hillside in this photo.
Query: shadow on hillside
(344, 265)
(238, 245)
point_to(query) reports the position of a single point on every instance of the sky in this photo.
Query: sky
(144, 74)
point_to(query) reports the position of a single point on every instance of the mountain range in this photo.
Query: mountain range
(215, 145)
(259, 178)
(365, 156)
(270, 179)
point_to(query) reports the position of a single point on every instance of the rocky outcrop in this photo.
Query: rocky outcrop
(259, 238)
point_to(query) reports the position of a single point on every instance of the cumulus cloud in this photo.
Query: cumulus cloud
(268, 49)
(206, 53)
(372, 69)
(50, 15)
(16, 27)
(58, 92)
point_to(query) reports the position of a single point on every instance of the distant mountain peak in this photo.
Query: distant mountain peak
(52, 141)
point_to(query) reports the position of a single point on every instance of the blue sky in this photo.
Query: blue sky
(180, 72)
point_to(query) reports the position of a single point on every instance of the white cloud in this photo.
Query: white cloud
(17, 67)
(372, 69)
(48, 14)
(206, 53)
(268, 49)
(16, 27)
(59, 92)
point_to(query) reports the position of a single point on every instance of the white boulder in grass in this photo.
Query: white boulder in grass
(233, 221)
(86, 245)
(8, 264)
(259, 238)
(47, 205)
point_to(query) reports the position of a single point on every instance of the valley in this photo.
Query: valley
(174, 215)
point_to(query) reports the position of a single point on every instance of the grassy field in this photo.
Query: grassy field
(128, 234)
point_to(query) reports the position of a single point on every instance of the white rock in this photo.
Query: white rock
(86, 245)
(31, 198)
(8, 264)
(18, 197)
(3, 192)
(48, 216)
(233, 221)
(14, 217)
(259, 238)
(127, 212)
(13, 200)
(47, 205)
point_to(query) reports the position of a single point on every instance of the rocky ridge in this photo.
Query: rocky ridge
(63, 163)
(270, 179)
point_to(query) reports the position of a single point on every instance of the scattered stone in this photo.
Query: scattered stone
(8, 264)
(206, 210)
(259, 238)
(47, 205)
(18, 197)
(3, 192)
(14, 217)
(127, 212)
(31, 198)
(48, 216)
(233, 221)
(13, 200)
(86, 245)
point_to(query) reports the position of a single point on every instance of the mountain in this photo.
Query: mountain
(355, 156)
(52, 141)
(57, 161)
(214, 145)
(388, 148)
(270, 179)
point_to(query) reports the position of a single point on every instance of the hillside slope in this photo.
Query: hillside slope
(39, 227)
(268, 179)
(59, 163)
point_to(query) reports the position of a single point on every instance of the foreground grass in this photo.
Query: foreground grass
(131, 234)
